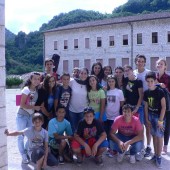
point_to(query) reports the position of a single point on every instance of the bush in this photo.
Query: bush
(13, 81)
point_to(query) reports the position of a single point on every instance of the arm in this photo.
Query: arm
(60, 137)
(16, 133)
(44, 110)
(140, 91)
(163, 104)
(102, 108)
(45, 155)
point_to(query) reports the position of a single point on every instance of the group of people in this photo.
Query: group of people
(87, 114)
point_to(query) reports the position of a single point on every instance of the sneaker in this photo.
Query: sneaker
(153, 159)
(120, 157)
(61, 160)
(147, 152)
(112, 154)
(132, 159)
(140, 155)
(159, 162)
(108, 152)
(79, 160)
(25, 159)
(164, 150)
(99, 160)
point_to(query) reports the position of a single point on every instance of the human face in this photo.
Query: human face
(160, 65)
(97, 69)
(51, 82)
(128, 72)
(49, 66)
(38, 123)
(65, 80)
(60, 114)
(111, 83)
(107, 71)
(119, 73)
(93, 82)
(83, 75)
(151, 83)
(35, 80)
(140, 63)
(75, 73)
(127, 113)
(89, 117)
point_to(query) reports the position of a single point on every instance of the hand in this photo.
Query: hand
(161, 127)
(100, 119)
(121, 146)
(70, 137)
(94, 149)
(135, 110)
(148, 124)
(44, 164)
(162, 85)
(126, 145)
(88, 150)
(6, 132)
(37, 108)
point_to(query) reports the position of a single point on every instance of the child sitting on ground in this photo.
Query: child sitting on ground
(37, 143)
(90, 138)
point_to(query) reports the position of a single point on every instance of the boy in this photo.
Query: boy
(76, 72)
(155, 107)
(140, 73)
(130, 133)
(37, 143)
(90, 138)
(56, 129)
(64, 94)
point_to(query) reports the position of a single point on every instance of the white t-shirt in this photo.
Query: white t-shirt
(141, 76)
(78, 99)
(114, 97)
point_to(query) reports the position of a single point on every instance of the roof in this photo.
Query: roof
(117, 20)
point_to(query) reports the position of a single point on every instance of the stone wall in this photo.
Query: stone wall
(3, 141)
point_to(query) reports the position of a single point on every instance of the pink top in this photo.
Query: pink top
(127, 129)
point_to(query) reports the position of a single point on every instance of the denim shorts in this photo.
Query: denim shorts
(155, 131)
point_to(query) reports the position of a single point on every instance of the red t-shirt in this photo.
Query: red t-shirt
(127, 129)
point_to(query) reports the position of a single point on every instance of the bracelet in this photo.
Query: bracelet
(160, 122)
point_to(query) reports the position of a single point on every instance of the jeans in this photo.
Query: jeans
(141, 114)
(23, 121)
(135, 147)
(167, 128)
(74, 119)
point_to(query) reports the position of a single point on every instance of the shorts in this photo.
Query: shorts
(97, 115)
(155, 131)
(54, 143)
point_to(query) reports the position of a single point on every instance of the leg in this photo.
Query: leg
(39, 163)
(51, 160)
(167, 131)
(62, 147)
(136, 147)
(73, 121)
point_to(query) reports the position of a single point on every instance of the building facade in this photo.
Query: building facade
(3, 141)
(113, 42)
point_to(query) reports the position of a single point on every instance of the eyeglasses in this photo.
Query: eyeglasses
(88, 109)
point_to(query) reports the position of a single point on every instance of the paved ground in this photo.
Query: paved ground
(14, 159)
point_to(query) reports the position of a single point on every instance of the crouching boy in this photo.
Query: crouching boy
(90, 138)
(129, 135)
(37, 143)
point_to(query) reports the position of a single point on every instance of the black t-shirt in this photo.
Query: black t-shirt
(153, 98)
(87, 131)
(131, 91)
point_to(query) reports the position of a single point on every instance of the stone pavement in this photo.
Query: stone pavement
(14, 158)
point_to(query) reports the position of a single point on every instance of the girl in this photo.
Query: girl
(107, 71)
(47, 97)
(164, 79)
(96, 97)
(27, 107)
(115, 100)
(97, 70)
(78, 99)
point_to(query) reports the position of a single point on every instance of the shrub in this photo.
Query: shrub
(13, 81)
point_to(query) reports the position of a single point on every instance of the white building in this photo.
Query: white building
(3, 142)
(113, 42)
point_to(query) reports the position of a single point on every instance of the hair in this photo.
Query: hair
(88, 109)
(163, 60)
(115, 79)
(28, 82)
(65, 74)
(60, 107)
(104, 68)
(82, 69)
(48, 60)
(127, 106)
(127, 66)
(38, 116)
(76, 68)
(120, 68)
(140, 56)
(46, 83)
(101, 73)
(151, 75)
(97, 83)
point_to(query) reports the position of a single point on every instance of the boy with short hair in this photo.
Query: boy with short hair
(59, 129)
(130, 133)
(37, 143)
(155, 107)
(90, 138)
(64, 94)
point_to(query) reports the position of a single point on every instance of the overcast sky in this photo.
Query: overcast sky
(29, 15)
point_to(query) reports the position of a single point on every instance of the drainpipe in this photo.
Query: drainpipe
(131, 51)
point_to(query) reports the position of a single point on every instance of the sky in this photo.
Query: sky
(29, 15)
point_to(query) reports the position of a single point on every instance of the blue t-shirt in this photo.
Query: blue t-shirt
(55, 126)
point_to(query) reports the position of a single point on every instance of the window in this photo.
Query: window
(154, 37)
(139, 38)
(65, 66)
(75, 63)
(65, 44)
(169, 36)
(125, 61)
(111, 41)
(112, 62)
(87, 64)
(168, 63)
(99, 41)
(125, 39)
(87, 44)
(75, 43)
(153, 63)
(55, 45)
